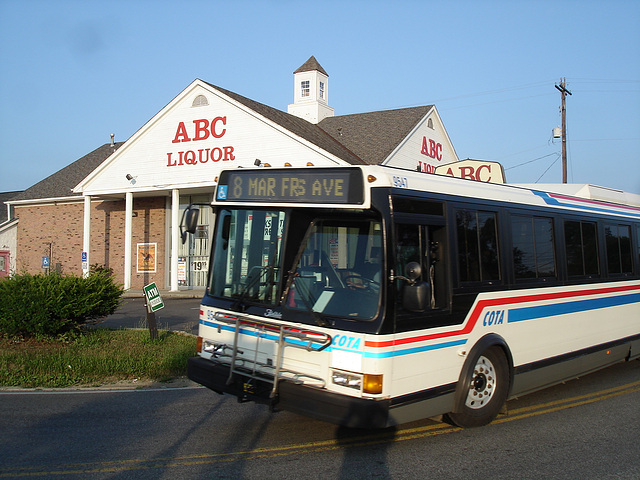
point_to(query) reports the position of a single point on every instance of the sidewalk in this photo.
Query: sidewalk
(184, 293)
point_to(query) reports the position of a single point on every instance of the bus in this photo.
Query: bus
(372, 296)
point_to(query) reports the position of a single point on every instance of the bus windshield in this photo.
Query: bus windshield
(334, 266)
(340, 269)
(247, 256)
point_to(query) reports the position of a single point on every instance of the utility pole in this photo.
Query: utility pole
(564, 92)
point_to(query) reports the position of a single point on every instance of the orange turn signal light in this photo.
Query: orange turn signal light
(372, 383)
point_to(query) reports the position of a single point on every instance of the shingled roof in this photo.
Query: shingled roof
(298, 126)
(5, 196)
(61, 183)
(373, 136)
(311, 65)
(365, 138)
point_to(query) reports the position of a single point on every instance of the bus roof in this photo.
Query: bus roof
(588, 198)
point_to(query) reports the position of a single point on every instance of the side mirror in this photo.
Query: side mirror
(413, 271)
(189, 221)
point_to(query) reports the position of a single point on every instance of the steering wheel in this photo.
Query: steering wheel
(362, 283)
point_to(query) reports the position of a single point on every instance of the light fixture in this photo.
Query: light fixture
(129, 177)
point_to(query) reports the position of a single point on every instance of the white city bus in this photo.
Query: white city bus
(372, 296)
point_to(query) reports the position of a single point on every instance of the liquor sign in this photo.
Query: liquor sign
(478, 170)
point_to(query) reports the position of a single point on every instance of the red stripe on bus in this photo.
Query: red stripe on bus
(482, 304)
(595, 202)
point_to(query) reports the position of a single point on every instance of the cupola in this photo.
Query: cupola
(311, 92)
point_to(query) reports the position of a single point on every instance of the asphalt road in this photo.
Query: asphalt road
(585, 429)
(180, 314)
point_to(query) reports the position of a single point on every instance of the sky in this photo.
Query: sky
(73, 72)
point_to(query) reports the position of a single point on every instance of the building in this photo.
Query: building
(8, 235)
(120, 206)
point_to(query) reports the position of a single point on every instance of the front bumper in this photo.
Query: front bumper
(302, 399)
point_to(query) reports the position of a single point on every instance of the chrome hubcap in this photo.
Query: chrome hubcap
(483, 384)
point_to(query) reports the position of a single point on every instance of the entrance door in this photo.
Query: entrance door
(193, 259)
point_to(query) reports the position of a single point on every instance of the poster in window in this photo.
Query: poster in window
(147, 257)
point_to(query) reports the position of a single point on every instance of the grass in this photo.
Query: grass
(95, 357)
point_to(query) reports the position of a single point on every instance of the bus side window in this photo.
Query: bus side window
(424, 245)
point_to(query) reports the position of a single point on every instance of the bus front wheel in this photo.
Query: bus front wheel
(484, 390)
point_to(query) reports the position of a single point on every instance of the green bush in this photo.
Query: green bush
(33, 305)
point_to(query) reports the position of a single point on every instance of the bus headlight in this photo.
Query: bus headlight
(367, 383)
(215, 349)
(345, 379)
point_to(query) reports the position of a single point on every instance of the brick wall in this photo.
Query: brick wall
(62, 225)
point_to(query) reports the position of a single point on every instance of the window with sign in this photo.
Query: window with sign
(193, 260)
(247, 256)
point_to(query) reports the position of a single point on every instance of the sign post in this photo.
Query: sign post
(153, 303)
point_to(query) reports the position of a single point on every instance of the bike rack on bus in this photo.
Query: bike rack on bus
(310, 340)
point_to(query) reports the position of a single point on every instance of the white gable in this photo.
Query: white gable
(425, 148)
(195, 136)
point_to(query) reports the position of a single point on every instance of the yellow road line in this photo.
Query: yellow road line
(311, 447)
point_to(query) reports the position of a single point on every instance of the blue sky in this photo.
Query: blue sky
(73, 72)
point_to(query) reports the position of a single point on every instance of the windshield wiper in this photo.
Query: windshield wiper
(239, 305)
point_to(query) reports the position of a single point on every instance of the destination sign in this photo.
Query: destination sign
(334, 185)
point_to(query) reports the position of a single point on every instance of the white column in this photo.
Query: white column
(128, 234)
(175, 237)
(86, 236)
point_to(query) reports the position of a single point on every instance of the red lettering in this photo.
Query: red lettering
(450, 172)
(206, 155)
(181, 134)
(213, 126)
(228, 154)
(488, 167)
(202, 132)
(216, 154)
(431, 149)
(203, 155)
(467, 172)
(190, 157)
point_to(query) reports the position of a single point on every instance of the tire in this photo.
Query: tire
(484, 391)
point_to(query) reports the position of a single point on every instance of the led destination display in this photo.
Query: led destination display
(336, 186)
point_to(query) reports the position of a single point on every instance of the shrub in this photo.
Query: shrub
(32, 305)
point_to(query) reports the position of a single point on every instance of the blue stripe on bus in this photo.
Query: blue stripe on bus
(549, 200)
(396, 353)
(542, 311)
(253, 333)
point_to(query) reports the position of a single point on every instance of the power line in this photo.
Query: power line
(535, 160)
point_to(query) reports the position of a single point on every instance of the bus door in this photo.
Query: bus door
(420, 264)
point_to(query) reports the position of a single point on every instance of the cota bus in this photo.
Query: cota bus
(372, 296)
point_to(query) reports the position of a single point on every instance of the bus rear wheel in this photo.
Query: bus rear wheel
(484, 390)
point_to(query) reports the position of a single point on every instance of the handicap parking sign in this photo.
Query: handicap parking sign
(45, 262)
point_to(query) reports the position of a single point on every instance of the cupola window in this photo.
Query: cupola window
(306, 88)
